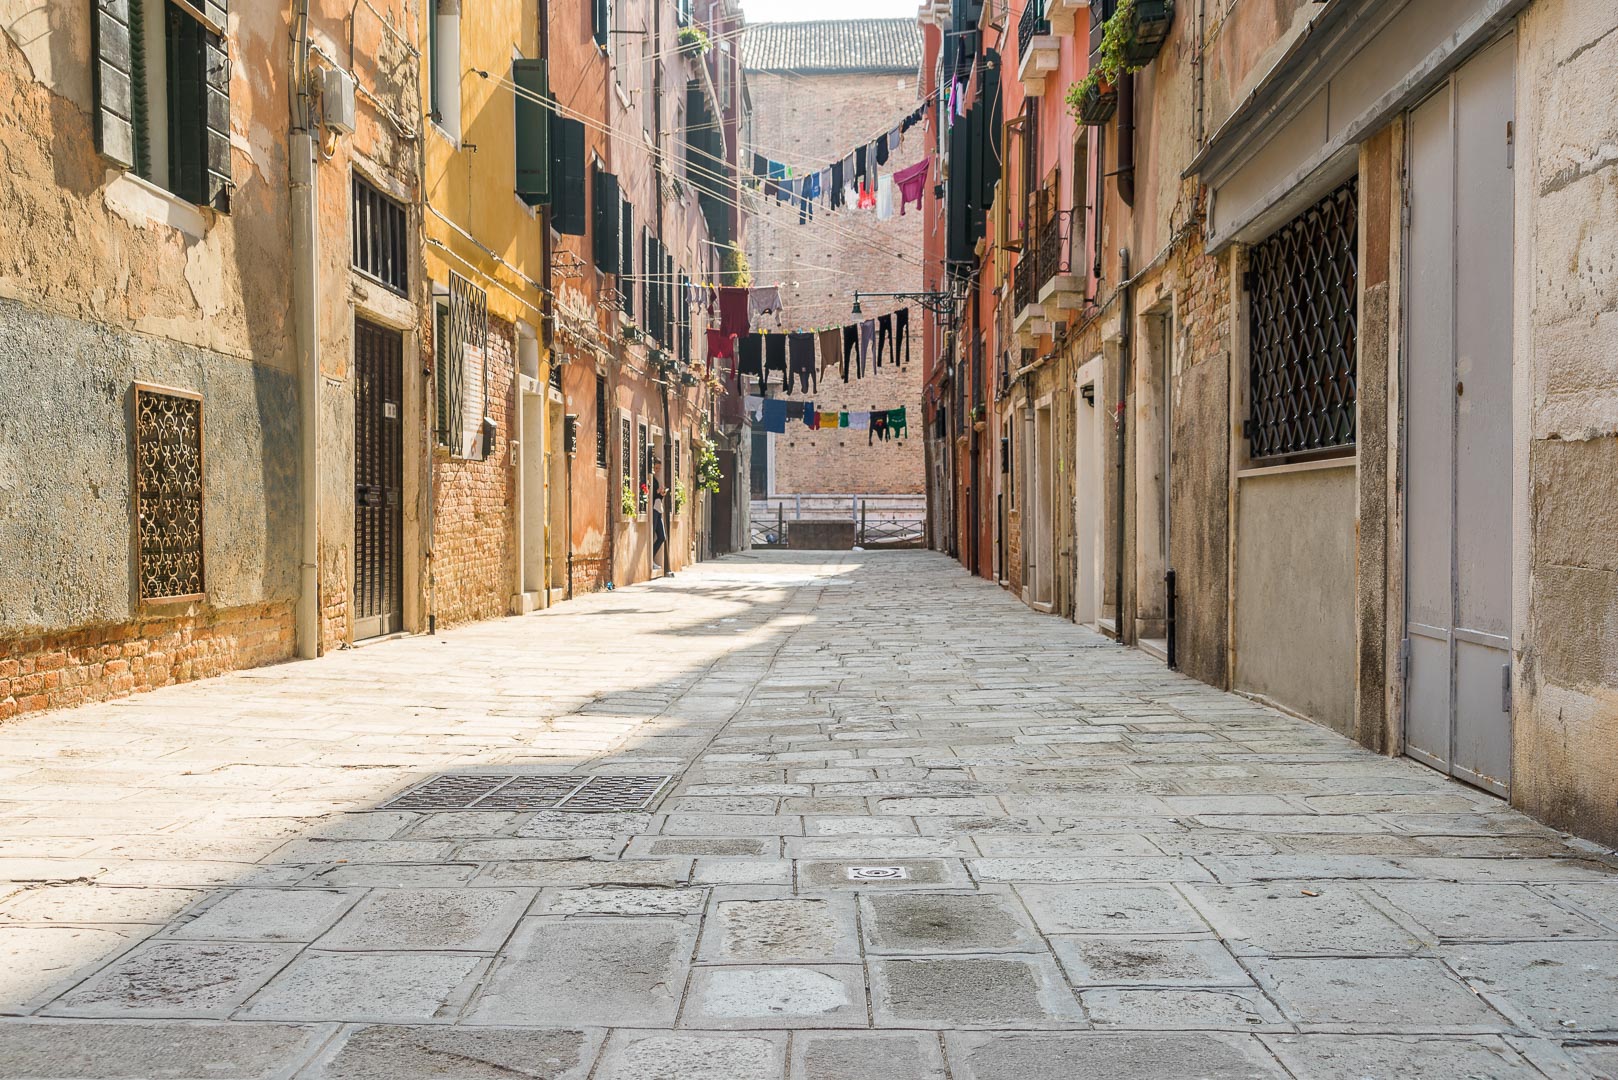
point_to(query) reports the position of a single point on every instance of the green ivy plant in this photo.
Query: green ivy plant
(694, 40)
(626, 502)
(680, 496)
(735, 269)
(707, 465)
(1112, 58)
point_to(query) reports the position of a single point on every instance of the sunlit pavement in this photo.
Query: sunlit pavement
(912, 826)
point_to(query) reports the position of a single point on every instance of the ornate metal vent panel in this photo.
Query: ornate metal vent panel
(464, 321)
(1303, 297)
(523, 791)
(168, 493)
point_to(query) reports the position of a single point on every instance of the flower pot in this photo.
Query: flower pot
(1153, 19)
(1097, 104)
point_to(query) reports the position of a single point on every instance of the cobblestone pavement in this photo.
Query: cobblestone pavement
(915, 831)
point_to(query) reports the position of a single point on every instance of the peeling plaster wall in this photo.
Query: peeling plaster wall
(1565, 754)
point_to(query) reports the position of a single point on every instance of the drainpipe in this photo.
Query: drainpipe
(1125, 345)
(306, 340)
(1126, 142)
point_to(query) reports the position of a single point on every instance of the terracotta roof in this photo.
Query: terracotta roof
(833, 46)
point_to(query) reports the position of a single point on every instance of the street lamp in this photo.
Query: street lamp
(941, 303)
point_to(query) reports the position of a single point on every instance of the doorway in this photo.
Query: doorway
(1457, 432)
(1087, 474)
(378, 480)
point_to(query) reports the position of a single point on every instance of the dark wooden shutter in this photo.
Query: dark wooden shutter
(533, 131)
(114, 80)
(607, 215)
(993, 122)
(626, 258)
(567, 176)
(602, 12)
(216, 75)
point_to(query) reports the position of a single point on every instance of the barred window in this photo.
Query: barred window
(642, 455)
(461, 321)
(1304, 309)
(381, 247)
(626, 451)
(168, 493)
(601, 421)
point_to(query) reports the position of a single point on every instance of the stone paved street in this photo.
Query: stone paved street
(915, 831)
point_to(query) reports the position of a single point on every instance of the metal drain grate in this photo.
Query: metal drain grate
(504, 791)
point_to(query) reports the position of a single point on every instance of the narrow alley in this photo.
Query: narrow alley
(893, 842)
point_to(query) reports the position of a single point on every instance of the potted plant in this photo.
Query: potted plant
(1146, 25)
(707, 465)
(694, 41)
(1093, 99)
(626, 504)
(679, 495)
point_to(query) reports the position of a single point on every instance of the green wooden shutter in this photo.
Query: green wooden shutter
(567, 175)
(626, 258)
(114, 78)
(216, 114)
(607, 215)
(533, 131)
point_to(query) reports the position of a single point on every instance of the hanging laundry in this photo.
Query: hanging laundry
(895, 137)
(898, 427)
(881, 149)
(842, 419)
(901, 335)
(750, 360)
(786, 191)
(761, 166)
(859, 421)
(851, 351)
(801, 361)
(835, 189)
(812, 418)
(753, 405)
(775, 415)
(733, 305)
(830, 420)
(884, 334)
(867, 197)
(775, 359)
(772, 183)
(860, 165)
(764, 300)
(823, 187)
(829, 344)
(721, 346)
(867, 343)
(912, 183)
(850, 180)
(884, 198)
(809, 194)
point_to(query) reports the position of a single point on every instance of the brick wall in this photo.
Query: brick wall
(473, 561)
(807, 121)
(100, 662)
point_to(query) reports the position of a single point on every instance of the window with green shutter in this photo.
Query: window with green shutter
(162, 87)
(567, 175)
(533, 134)
(605, 220)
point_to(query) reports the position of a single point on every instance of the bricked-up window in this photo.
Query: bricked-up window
(162, 89)
(601, 421)
(168, 493)
(460, 367)
(1304, 309)
(381, 231)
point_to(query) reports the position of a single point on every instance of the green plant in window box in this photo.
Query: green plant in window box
(707, 465)
(680, 496)
(1148, 27)
(694, 41)
(626, 503)
(1131, 38)
(1092, 100)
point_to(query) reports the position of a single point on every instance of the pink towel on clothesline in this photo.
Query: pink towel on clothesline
(912, 183)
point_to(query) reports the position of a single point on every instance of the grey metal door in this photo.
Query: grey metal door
(1458, 466)
(378, 480)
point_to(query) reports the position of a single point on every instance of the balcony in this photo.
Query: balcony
(1038, 50)
(1063, 14)
(1042, 288)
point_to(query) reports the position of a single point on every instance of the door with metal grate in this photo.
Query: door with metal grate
(378, 480)
(1458, 463)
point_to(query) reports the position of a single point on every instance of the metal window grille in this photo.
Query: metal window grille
(627, 451)
(168, 493)
(642, 455)
(1303, 305)
(601, 421)
(463, 320)
(380, 232)
(1031, 24)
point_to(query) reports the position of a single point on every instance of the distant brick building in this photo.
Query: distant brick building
(818, 89)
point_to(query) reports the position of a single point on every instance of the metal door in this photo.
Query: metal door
(378, 480)
(1458, 466)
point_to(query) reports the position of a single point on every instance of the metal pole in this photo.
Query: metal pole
(1169, 619)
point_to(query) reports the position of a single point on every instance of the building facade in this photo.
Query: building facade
(1290, 407)
(326, 340)
(819, 89)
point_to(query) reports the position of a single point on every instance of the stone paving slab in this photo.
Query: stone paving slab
(898, 844)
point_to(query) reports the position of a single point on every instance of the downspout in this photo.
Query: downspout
(306, 339)
(1126, 142)
(1125, 346)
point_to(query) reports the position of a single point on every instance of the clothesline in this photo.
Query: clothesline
(772, 415)
(854, 180)
(888, 139)
(803, 357)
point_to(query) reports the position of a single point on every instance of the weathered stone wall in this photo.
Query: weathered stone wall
(806, 121)
(1564, 764)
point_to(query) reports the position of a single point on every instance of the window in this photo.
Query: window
(461, 319)
(168, 493)
(601, 421)
(600, 21)
(626, 454)
(1303, 308)
(674, 457)
(162, 87)
(607, 217)
(1078, 253)
(444, 64)
(643, 456)
(381, 237)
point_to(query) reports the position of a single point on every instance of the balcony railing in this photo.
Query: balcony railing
(1032, 23)
(1048, 252)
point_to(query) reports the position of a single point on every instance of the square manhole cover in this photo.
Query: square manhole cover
(525, 791)
(878, 873)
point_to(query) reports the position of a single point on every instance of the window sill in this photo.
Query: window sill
(1348, 462)
(141, 202)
